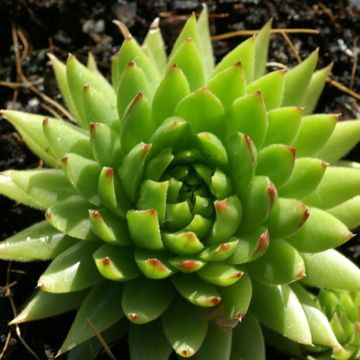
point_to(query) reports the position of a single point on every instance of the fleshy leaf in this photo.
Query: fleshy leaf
(287, 217)
(338, 184)
(132, 82)
(71, 217)
(42, 305)
(73, 270)
(105, 144)
(229, 84)
(154, 46)
(30, 128)
(203, 111)
(104, 296)
(148, 342)
(321, 231)
(248, 340)
(194, 69)
(220, 274)
(298, 79)
(284, 123)
(278, 308)
(44, 186)
(315, 88)
(281, 264)
(173, 88)
(244, 53)
(314, 132)
(305, 178)
(182, 243)
(262, 40)
(196, 290)
(272, 88)
(64, 137)
(115, 263)
(348, 212)
(344, 274)
(217, 344)
(344, 137)
(248, 115)
(38, 242)
(145, 300)
(183, 328)
(277, 162)
(83, 174)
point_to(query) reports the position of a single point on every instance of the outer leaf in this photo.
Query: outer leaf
(44, 186)
(129, 51)
(272, 88)
(64, 137)
(281, 264)
(228, 84)
(248, 341)
(183, 328)
(236, 298)
(148, 342)
(132, 82)
(338, 184)
(321, 231)
(116, 264)
(38, 242)
(9, 189)
(261, 49)
(30, 128)
(315, 88)
(171, 90)
(195, 290)
(245, 53)
(154, 46)
(248, 115)
(344, 274)
(105, 144)
(73, 270)
(83, 175)
(257, 203)
(203, 111)
(283, 125)
(60, 74)
(145, 300)
(287, 217)
(137, 124)
(314, 132)
(217, 344)
(278, 308)
(344, 137)
(205, 43)
(42, 305)
(297, 81)
(242, 162)
(71, 217)
(348, 212)
(277, 162)
(194, 69)
(97, 107)
(104, 296)
(305, 178)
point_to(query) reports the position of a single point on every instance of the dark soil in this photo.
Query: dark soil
(78, 26)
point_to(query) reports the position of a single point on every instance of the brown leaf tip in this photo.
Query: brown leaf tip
(239, 316)
(95, 214)
(45, 122)
(190, 236)
(223, 248)
(189, 265)
(237, 275)
(156, 263)
(106, 261)
(131, 63)
(263, 242)
(65, 159)
(221, 205)
(301, 274)
(215, 300)
(153, 212)
(109, 171)
(272, 194)
(146, 149)
(293, 151)
(48, 214)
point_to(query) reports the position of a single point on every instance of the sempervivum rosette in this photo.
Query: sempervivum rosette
(185, 195)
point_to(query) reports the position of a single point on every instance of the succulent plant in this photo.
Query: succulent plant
(189, 201)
